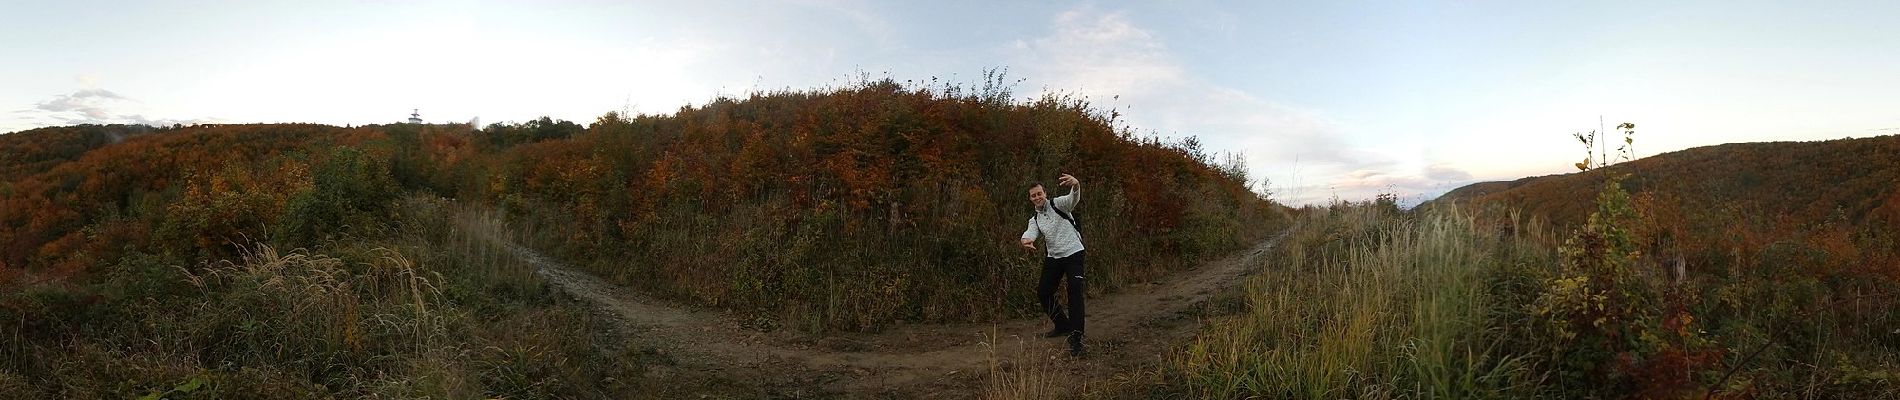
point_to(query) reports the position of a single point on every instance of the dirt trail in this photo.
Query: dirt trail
(1128, 331)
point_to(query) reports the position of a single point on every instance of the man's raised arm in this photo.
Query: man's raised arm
(1068, 201)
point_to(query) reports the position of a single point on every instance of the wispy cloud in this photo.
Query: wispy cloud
(89, 103)
(1412, 186)
(867, 22)
(88, 106)
(1106, 55)
(1102, 53)
(1445, 172)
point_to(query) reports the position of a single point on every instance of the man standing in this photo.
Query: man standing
(1054, 223)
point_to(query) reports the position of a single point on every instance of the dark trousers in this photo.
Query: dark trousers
(1054, 270)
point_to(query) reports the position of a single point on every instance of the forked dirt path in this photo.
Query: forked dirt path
(1129, 332)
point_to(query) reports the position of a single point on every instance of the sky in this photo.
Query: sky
(1324, 100)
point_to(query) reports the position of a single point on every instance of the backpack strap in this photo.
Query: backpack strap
(1078, 226)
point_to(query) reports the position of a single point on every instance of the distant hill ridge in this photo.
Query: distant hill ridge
(1856, 180)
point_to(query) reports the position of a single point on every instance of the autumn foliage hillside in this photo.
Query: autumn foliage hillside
(1752, 269)
(845, 208)
(851, 208)
(185, 192)
(312, 261)
(30, 152)
(1761, 270)
(239, 260)
(1804, 182)
(1712, 204)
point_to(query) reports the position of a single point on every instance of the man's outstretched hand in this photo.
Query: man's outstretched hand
(1067, 180)
(1029, 244)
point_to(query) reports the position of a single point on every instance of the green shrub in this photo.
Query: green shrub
(349, 194)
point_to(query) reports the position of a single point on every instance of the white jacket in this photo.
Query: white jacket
(1059, 237)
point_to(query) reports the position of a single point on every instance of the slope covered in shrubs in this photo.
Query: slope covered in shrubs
(228, 260)
(852, 208)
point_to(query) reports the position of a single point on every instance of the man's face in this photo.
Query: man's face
(1037, 196)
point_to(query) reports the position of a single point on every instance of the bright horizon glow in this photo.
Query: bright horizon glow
(1324, 99)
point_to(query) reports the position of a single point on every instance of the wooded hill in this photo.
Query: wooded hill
(1804, 182)
(1705, 203)
(1748, 269)
(837, 209)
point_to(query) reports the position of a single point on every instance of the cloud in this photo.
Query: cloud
(89, 103)
(1445, 172)
(867, 22)
(89, 106)
(1103, 53)
(1412, 186)
(1107, 56)
(1365, 174)
(1303, 152)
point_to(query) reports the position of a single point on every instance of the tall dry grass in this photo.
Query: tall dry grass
(434, 311)
(1014, 372)
(1364, 301)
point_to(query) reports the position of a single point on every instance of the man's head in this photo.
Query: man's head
(1037, 196)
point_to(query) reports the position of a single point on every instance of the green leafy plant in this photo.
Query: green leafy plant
(1613, 323)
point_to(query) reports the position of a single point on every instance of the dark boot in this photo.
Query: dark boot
(1075, 344)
